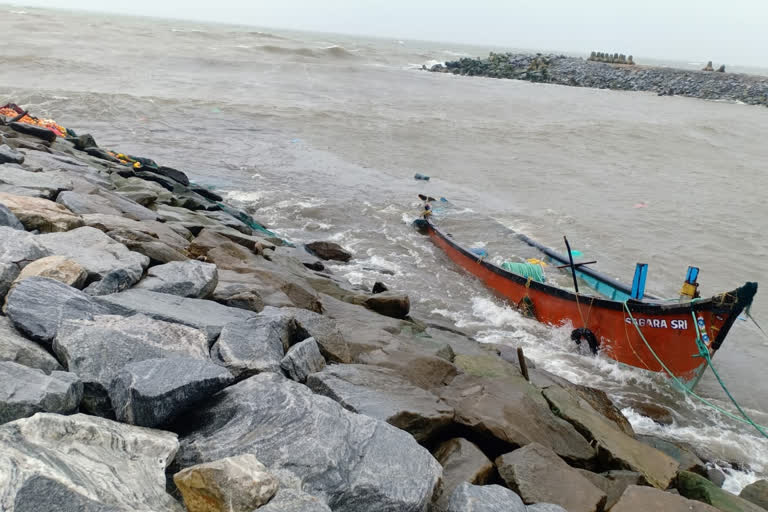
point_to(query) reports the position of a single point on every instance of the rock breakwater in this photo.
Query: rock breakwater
(269, 383)
(600, 73)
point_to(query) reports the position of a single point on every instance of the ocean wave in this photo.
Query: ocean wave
(335, 52)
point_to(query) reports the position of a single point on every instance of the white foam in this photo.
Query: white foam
(245, 197)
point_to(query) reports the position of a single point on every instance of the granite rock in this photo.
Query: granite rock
(382, 394)
(302, 360)
(41, 214)
(191, 278)
(25, 391)
(18, 349)
(98, 349)
(58, 268)
(37, 305)
(351, 461)
(208, 316)
(91, 465)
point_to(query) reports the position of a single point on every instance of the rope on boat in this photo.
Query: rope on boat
(745, 419)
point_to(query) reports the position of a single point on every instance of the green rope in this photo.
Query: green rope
(527, 270)
(746, 419)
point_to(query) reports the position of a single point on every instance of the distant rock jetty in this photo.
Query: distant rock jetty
(614, 71)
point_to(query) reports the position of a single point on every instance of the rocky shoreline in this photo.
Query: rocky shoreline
(578, 72)
(163, 351)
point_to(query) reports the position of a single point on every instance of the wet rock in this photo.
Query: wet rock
(721, 69)
(153, 392)
(208, 316)
(396, 305)
(183, 197)
(537, 474)
(58, 268)
(294, 500)
(103, 258)
(8, 274)
(229, 221)
(25, 391)
(696, 487)
(303, 256)
(16, 348)
(170, 172)
(379, 287)
(105, 203)
(302, 359)
(683, 455)
(328, 251)
(613, 483)
(8, 219)
(642, 499)
(513, 412)
(150, 175)
(40, 214)
(232, 484)
(509, 354)
(207, 193)
(190, 278)
(350, 460)
(37, 305)
(657, 413)
(98, 349)
(484, 498)
(84, 141)
(462, 461)
(485, 365)
(613, 445)
(9, 156)
(382, 394)
(757, 493)
(91, 465)
(255, 345)
(34, 131)
(715, 476)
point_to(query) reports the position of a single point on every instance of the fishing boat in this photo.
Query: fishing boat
(674, 337)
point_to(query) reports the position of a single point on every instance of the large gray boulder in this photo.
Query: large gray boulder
(151, 393)
(208, 316)
(382, 394)
(351, 461)
(302, 360)
(462, 461)
(484, 498)
(9, 156)
(106, 203)
(103, 258)
(537, 474)
(8, 219)
(17, 250)
(613, 444)
(294, 500)
(513, 411)
(255, 345)
(98, 349)
(545, 507)
(613, 483)
(190, 278)
(91, 465)
(25, 391)
(16, 348)
(37, 305)
(757, 493)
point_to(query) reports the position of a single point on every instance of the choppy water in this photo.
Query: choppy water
(320, 136)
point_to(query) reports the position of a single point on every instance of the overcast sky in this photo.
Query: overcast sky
(730, 32)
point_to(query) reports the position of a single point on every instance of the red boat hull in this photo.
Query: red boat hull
(669, 329)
